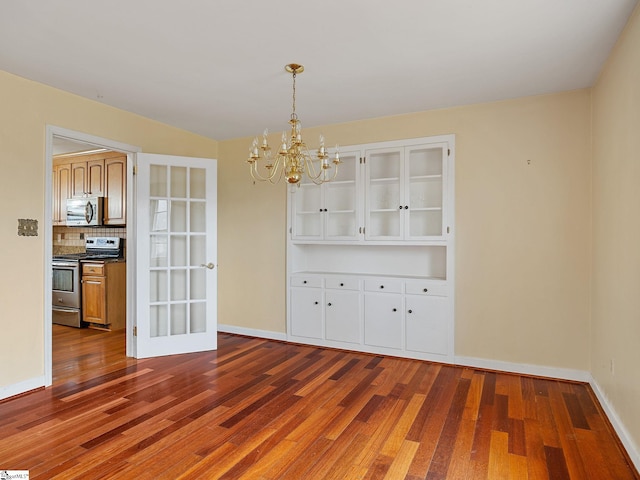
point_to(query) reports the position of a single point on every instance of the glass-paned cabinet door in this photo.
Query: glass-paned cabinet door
(329, 211)
(341, 200)
(384, 194)
(306, 213)
(425, 187)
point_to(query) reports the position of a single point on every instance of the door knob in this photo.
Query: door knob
(208, 265)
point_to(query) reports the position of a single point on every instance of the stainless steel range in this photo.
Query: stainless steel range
(66, 282)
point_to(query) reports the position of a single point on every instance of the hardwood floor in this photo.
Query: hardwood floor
(258, 409)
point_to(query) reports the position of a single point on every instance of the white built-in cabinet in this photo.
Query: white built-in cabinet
(370, 254)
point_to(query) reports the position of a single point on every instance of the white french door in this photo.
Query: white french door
(176, 242)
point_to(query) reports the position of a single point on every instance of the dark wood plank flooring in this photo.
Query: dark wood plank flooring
(258, 409)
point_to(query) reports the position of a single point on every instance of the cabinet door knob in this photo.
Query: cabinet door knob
(381, 286)
(325, 209)
(406, 207)
(425, 290)
(329, 304)
(400, 207)
(304, 281)
(320, 210)
(315, 303)
(342, 284)
(395, 309)
(410, 311)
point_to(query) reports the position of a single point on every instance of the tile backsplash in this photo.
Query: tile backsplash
(71, 239)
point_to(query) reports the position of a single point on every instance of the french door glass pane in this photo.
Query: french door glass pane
(178, 250)
(198, 284)
(158, 212)
(198, 218)
(158, 320)
(178, 284)
(158, 181)
(178, 319)
(197, 250)
(178, 216)
(158, 251)
(197, 177)
(158, 286)
(198, 317)
(179, 182)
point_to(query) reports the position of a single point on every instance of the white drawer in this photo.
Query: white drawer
(418, 287)
(345, 283)
(383, 285)
(306, 281)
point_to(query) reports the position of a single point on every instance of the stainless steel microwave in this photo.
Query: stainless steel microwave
(84, 212)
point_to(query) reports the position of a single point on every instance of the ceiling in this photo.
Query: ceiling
(216, 67)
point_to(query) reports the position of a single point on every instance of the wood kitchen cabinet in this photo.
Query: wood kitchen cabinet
(115, 190)
(100, 174)
(61, 191)
(87, 178)
(104, 294)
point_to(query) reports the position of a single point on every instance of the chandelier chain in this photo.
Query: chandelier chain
(293, 112)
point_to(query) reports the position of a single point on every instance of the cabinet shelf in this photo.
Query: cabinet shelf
(426, 209)
(426, 177)
(384, 210)
(385, 180)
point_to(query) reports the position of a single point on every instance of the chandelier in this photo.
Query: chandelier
(293, 158)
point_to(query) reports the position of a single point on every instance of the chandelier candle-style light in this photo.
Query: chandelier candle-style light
(293, 158)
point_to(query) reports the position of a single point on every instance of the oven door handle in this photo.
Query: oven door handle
(64, 309)
(64, 265)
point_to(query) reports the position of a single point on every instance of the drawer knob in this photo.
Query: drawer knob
(395, 309)
(329, 304)
(425, 290)
(315, 303)
(381, 286)
(304, 281)
(410, 311)
(342, 284)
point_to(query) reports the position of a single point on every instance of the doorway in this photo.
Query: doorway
(62, 141)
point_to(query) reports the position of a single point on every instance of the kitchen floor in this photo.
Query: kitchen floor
(80, 352)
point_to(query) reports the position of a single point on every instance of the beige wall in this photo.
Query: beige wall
(615, 333)
(26, 108)
(522, 229)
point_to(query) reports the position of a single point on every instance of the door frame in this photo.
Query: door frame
(131, 151)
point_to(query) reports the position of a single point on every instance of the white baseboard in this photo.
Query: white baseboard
(8, 391)
(630, 446)
(252, 332)
(526, 369)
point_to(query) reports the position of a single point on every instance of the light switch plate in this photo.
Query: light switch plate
(27, 227)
